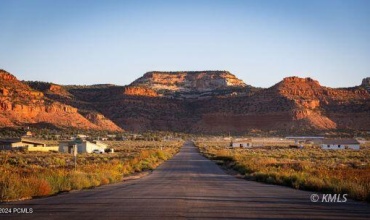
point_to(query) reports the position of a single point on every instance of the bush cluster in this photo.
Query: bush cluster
(26, 175)
(327, 171)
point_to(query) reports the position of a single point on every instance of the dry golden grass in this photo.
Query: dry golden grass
(32, 174)
(311, 168)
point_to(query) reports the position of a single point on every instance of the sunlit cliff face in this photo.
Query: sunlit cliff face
(189, 81)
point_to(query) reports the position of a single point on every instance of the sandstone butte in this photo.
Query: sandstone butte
(210, 102)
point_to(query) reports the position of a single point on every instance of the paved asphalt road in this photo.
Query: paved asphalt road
(187, 186)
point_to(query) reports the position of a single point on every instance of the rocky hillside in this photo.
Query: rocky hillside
(294, 105)
(195, 102)
(22, 105)
(327, 108)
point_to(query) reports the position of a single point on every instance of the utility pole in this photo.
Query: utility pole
(75, 155)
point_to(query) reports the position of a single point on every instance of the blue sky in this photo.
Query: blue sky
(261, 42)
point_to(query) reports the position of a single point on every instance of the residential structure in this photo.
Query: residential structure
(241, 143)
(25, 144)
(340, 144)
(82, 146)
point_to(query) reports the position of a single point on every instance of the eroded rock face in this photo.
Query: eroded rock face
(366, 83)
(199, 81)
(323, 107)
(101, 121)
(4, 75)
(140, 91)
(49, 89)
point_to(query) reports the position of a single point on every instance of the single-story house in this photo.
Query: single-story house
(21, 143)
(340, 144)
(82, 146)
(241, 143)
(9, 144)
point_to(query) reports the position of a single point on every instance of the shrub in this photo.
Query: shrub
(309, 169)
(25, 175)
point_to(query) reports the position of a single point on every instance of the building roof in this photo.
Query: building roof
(304, 137)
(242, 140)
(9, 141)
(32, 141)
(340, 141)
(98, 143)
(15, 140)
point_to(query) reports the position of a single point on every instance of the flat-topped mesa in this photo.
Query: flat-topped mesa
(182, 81)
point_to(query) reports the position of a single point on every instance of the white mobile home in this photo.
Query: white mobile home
(241, 143)
(340, 144)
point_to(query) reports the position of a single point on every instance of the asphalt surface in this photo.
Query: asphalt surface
(188, 186)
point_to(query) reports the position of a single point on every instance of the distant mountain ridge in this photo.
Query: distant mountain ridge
(210, 102)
